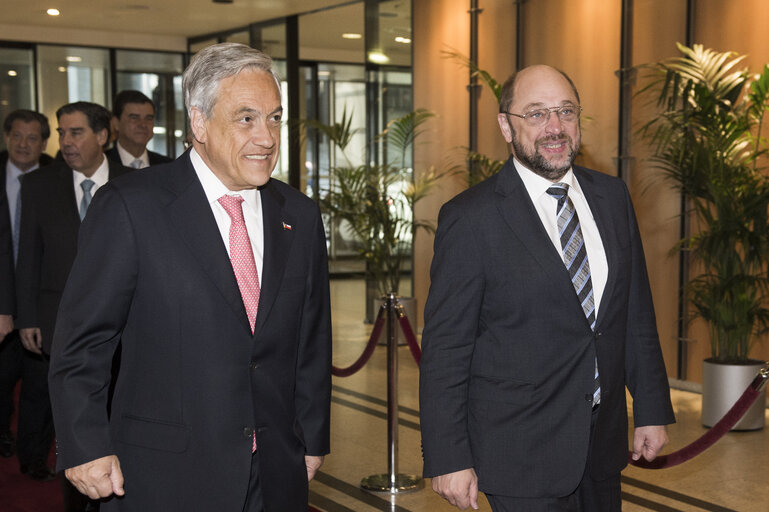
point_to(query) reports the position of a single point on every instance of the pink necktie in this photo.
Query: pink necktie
(242, 256)
(242, 259)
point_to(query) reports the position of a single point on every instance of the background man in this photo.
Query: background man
(214, 277)
(26, 135)
(135, 118)
(539, 315)
(54, 200)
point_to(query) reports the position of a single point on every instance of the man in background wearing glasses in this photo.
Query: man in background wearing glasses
(539, 315)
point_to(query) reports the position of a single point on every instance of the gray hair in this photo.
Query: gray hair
(211, 65)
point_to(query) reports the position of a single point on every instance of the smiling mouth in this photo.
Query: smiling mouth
(257, 157)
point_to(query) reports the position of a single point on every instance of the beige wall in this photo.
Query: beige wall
(583, 39)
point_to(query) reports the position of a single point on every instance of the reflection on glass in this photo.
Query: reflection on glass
(321, 35)
(70, 73)
(17, 82)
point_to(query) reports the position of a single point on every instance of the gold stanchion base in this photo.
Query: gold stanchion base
(382, 483)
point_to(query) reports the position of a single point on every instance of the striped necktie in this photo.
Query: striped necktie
(574, 255)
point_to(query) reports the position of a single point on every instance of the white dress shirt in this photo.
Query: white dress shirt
(99, 178)
(128, 159)
(546, 205)
(252, 209)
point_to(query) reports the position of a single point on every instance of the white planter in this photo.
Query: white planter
(722, 386)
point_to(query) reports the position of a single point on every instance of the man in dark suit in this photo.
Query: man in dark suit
(134, 117)
(54, 200)
(26, 135)
(539, 315)
(214, 278)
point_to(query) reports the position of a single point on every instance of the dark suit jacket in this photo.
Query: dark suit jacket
(508, 356)
(50, 223)
(152, 271)
(7, 286)
(155, 158)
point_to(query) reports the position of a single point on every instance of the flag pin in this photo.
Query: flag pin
(287, 226)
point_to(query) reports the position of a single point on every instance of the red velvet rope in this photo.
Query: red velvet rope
(710, 437)
(367, 352)
(408, 332)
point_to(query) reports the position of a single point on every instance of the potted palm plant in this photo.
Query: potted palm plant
(708, 142)
(376, 200)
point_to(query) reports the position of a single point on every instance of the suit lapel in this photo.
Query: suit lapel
(518, 211)
(67, 188)
(277, 243)
(191, 215)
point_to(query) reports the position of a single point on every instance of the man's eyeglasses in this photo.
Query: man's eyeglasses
(540, 116)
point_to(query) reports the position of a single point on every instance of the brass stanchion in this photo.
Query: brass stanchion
(392, 482)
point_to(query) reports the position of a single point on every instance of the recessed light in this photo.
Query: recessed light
(12, 72)
(404, 40)
(74, 58)
(351, 35)
(62, 69)
(53, 12)
(324, 73)
(378, 57)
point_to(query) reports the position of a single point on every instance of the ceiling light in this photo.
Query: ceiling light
(53, 12)
(378, 57)
(62, 69)
(12, 72)
(404, 40)
(74, 58)
(351, 35)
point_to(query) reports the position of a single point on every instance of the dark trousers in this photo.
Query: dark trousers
(35, 423)
(254, 500)
(590, 496)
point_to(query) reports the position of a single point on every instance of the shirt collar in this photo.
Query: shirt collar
(536, 185)
(127, 158)
(100, 177)
(214, 188)
(15, 172)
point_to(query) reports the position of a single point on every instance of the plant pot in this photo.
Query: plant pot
(410, 307)
(722, 386)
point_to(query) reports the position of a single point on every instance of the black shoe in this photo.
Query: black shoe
(38, 471)
(7, 444)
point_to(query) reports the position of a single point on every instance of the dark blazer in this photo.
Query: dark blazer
(152, 271)
(50, 223)
(7, 286)
(155, 158)
(508, 356)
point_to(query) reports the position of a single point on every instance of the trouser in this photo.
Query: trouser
(35, 422)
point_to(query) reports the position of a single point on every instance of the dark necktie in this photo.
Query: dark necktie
(17, 221)
(574, 255)
(86, 185)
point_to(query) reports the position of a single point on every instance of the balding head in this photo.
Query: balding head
(529, 78)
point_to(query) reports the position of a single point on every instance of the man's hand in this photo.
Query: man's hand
(313, 463)
(649, 441)
(32, 339)
(6, 326)
(99, 478)
(459, 488)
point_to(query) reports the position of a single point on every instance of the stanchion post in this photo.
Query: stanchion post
(392, 482)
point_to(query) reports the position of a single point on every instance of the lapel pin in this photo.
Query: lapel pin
(287, 226)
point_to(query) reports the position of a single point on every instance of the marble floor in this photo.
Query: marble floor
(733, 475)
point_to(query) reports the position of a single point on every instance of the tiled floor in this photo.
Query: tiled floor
(733, 475)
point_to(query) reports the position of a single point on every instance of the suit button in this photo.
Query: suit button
(588, 397)
(248, 432)
(253, 366)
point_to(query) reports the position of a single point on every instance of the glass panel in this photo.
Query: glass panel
(394, 33)
(155, 74)
(327, 35)
(68, 74)
(17, 82)
(242, 37)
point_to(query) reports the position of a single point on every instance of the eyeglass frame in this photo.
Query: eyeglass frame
(550, 110)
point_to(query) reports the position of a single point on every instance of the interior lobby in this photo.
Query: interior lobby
(376, 61)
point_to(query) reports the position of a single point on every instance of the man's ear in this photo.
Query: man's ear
(504, 127)
(102, 136)
(198, 125)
